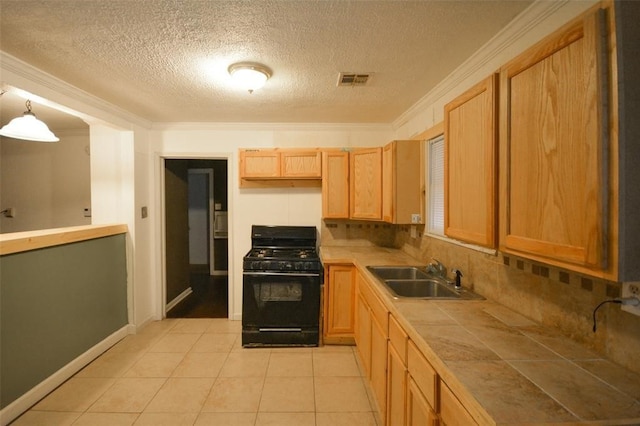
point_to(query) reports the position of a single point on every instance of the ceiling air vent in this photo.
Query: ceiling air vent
(353, 79)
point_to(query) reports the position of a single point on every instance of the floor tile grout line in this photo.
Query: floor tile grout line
(146, 349)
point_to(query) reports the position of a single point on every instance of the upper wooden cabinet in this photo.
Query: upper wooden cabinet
(471, 165)
(365, 183)
(554, 150)
(402, 182)
(335, 184)
(280, 163)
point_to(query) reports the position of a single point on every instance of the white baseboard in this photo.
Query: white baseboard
(143, 324)
(178, 299)
(26, 401)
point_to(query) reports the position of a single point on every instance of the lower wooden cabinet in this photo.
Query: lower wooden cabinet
(422, 389)
(419, 412)
(397, 374)
(378, 376)
(407, 389)
(452, 412)
(363, 333)
(372, 324)
(339, 304)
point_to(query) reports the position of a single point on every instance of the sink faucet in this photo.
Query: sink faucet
(458, 283)
(437, 268)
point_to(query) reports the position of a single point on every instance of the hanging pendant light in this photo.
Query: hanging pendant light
(249, 75)
(28, 128)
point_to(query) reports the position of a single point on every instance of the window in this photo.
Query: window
(435, 185)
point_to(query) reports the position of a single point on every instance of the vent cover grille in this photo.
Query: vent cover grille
(353, 79)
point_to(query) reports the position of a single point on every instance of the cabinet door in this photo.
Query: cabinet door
(552, 168)
(388, 183)
(259, 164)
(470, 165)
(396, 388)
(363, 333)
(301, 164)
(365, 173)
(339, 302)
(419, 412)
(422, 373)
(335, 185)
(402, 182)
(452, 412)
(379, 365)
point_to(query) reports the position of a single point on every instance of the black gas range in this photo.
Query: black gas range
(282, 278)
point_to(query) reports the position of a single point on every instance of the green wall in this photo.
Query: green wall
(55, 304)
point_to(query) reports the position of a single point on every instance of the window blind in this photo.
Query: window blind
(436, 185)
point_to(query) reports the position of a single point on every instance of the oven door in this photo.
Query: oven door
(281, 309)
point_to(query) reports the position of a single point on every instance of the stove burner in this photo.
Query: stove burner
(283, 249)
(263, 253)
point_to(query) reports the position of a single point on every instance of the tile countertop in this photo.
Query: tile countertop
(505, 368)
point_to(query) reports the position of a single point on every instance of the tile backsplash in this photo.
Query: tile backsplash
(549, 295)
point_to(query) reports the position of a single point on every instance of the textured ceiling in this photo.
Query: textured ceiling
(166, 60)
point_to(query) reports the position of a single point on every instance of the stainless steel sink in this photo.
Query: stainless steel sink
(421, 288)
(399, 272)
(415, 282)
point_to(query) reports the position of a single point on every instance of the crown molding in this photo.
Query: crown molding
(511, 35)
(63, 96)
(291, 127)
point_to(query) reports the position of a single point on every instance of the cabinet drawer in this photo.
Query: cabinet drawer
(452, 412)
(423, 374)
(398, 338)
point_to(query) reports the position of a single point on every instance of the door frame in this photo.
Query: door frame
(160, 252)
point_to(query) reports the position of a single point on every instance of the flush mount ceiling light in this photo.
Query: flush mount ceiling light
(249, 75)
(28, 128)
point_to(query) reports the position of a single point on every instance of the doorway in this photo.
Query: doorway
(196, 241)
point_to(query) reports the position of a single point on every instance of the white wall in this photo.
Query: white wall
(531, 26)
(264, 206)
(140, 161)
(48, 184)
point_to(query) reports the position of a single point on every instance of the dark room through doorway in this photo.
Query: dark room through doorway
(196, 238)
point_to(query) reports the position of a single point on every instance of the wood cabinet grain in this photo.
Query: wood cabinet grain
(339, 304)
(471, 165)
(280, 163)
(553, 151)
(365, 184)
(402, 182)
(335, 184)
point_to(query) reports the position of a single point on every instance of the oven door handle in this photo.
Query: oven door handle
(282, 274)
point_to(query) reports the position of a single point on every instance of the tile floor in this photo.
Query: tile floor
(195, 372)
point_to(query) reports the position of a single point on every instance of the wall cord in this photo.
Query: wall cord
(623, 301)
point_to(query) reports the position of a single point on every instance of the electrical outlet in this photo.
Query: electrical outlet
(631, 290)
(415, 218)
